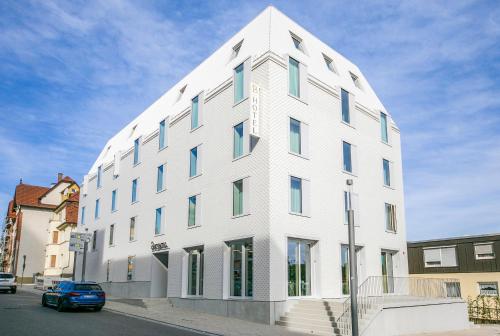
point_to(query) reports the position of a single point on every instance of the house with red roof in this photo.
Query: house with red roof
(38, 224)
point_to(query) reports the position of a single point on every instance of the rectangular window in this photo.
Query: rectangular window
(159, 221)
(347, 156)
(193, 162)
(383, 127)
(238, 141)
(484, 251)
(488, 288)
(356, 81)
(295, 195)
(390, 217)
(195, 272)
(440, 256)
(162, 136)
(134, 190)
(96, 212)
(136, 151)
(53, 259)
(131, 232)
(130, 268)
(293, 77)
(55, 237)
(387, 172)
(295, 137)
(344, 264)
(99, 176)
(113, 200)
(241, 268)
(344, 100)
(82, 219)
(94, 240)
(238, 198)
(239, 83)
(354, 206)
(192, 220)
(108, 270)
(329, 63)
(194, 113)
(111, 234)
(159, 178)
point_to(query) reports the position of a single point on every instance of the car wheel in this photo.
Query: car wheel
(44, 301)
(98, 308)
(13, 291)
(60, 305)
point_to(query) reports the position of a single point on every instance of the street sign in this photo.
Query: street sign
(77, 241)
(254, 110)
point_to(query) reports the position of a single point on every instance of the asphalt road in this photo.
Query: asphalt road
(22, 314)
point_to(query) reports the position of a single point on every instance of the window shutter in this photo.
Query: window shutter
(246, 195)
(303, 81)
(199, 160)
(197, 220)
(354, 159)
(304, 129)
(394, 218)
(355, 207)
(352, 108)
(391, 173)
(432, 255)
(246, 138)
(201, 105)
(483, 249)
(448, 257)
(247, 72)
(85, 185)
(116, 170)
(306, 197)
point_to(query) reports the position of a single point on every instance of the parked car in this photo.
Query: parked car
(71, 294)
(8, 282)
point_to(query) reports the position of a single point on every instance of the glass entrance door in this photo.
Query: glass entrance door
(387, 271)
(299, 267)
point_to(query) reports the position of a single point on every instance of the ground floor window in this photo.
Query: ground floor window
(387, 260)
(195, 271)
(299, 267)
(488, 288)
(344, 265)
(241, 268)
(130, 268)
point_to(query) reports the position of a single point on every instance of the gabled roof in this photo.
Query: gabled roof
(29, 195)
(65, 179)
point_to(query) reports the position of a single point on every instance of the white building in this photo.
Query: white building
(227, 194)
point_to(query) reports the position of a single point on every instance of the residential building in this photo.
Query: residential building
(35, 229)
(229, 193)
(473, 260)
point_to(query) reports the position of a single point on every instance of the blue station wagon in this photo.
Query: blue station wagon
(70, 294)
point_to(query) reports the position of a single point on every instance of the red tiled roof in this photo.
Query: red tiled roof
(10, 210)
(29, 195)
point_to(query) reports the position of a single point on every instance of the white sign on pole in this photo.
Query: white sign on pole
(77, 240)
(254, 110)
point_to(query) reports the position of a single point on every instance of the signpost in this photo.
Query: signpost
(78, 243)
(353, 285)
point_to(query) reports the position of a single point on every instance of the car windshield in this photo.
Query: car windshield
(87, 287)
(6, 276)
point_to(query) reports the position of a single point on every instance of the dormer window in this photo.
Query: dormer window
(356, 80)
(181, 92)
(297, 42)
(132, 130)
(236, 50)
(329, 63)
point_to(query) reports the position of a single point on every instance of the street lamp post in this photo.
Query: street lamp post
(84, 261)
(353, 276)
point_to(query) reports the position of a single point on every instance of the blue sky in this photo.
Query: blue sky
(74, 73)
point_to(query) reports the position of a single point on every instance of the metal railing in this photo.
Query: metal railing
(376, 291)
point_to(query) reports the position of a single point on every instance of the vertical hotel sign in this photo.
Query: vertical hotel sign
(254, 110)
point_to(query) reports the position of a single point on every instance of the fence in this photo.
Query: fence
(377, 290)
(484, 309)
(46, 282)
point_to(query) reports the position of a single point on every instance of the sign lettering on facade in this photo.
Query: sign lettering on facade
(254, 110)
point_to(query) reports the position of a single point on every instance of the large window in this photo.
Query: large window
(113, 200)
(293, 77)
(193, 211)
(239, 83)
(238, 141)
(159, 219)
(386, 165)
(160, 185)
(111, 234)
(383, 127)
(134, 190)
(130, 268)
(344, 265)
(136, 151)
(99, 176)
(97, 210)
(295, 195)
(238, 198)
(194, 113)
(347, 157)
(131, 231)
(440, 256)
(390, 217)
(193, 162)
(162, 136)
(241, 268)
(484, 251)
(344, 100)
(295, 137)
(195, 271)
(299, 267)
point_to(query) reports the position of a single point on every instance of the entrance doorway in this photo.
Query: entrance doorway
(387, 259)
(299, 267)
